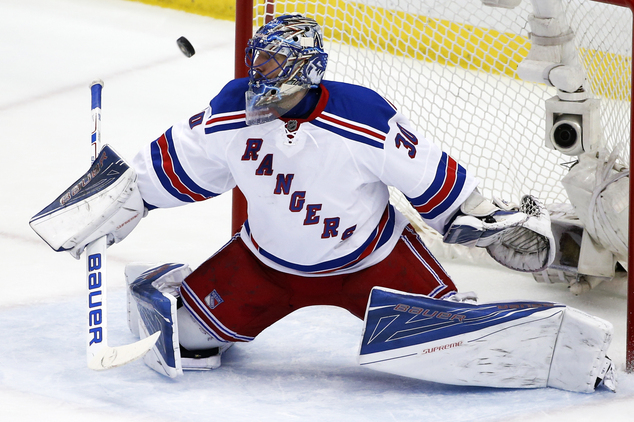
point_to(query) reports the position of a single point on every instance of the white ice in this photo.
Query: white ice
(302, 368)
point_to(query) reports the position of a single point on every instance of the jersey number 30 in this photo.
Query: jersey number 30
(407, 140)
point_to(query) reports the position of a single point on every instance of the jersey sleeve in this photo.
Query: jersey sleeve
(183, 165)
(431, 180)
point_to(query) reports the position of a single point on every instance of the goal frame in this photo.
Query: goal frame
(244, 31)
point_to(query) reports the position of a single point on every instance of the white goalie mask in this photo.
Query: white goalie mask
(285, 58)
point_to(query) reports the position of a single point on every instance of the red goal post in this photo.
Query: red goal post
(369, 29)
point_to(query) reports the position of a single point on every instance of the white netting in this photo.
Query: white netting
(450, 67)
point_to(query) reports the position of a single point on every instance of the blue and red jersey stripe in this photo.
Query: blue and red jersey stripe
(351, 130)
(444, 190)
(171, 173)
(226, 121)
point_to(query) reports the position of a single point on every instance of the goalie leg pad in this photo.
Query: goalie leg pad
(154, 294)
(504, 345)
(579, 362)
(132, 272)
(157, 312)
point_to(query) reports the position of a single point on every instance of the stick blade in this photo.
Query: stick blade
(111, 357)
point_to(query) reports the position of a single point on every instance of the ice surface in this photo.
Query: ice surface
(302, 368)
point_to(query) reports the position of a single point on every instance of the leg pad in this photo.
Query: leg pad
(506, 345)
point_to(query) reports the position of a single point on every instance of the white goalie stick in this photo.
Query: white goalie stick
(100, 355)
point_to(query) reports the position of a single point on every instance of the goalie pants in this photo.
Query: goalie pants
(236, 297)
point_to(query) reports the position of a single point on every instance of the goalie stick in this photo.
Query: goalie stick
(100, 355)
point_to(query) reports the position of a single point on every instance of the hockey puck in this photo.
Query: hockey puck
(186, 47)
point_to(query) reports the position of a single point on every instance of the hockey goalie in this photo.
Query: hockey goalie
(314, 159)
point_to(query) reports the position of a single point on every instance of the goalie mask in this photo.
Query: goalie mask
(285, 58)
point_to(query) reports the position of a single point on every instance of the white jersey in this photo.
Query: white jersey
(318, 202)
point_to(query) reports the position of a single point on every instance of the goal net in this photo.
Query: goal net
(451, 67)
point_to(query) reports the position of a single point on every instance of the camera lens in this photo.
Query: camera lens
(565, 135)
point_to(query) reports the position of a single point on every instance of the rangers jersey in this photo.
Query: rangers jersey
(316, 188)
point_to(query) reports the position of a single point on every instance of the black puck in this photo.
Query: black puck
(186, 47)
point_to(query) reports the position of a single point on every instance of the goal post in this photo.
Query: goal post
(243, 32)
(629, 356)
(452, 67)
